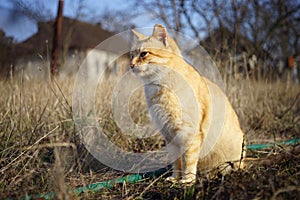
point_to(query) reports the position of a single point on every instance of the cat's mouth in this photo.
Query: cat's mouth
(136, 69)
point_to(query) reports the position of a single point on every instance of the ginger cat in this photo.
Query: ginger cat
(193, 115)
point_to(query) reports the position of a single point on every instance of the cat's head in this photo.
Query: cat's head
(151, 54)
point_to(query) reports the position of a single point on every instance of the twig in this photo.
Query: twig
(151, 184)
(287, 189)
(221, 188)
(289, 108)
(22, 153)
(50, 145)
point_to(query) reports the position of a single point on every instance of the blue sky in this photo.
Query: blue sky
(21, 27)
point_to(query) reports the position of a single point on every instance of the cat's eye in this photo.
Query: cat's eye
(143, 54)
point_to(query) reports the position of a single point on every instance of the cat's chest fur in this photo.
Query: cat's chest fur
(164, 109)
(171, 106)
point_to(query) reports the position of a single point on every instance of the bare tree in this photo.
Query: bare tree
(272, 25)
(266, 24)
(57, 38)
(115, 20)
(35, 10)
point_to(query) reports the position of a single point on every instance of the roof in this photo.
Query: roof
(80, 35)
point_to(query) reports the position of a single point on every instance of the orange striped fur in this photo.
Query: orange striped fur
(181, 104)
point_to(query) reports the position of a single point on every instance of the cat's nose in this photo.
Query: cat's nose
(131, 65)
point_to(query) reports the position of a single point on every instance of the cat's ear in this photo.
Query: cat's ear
(160, 33)
(140, 36)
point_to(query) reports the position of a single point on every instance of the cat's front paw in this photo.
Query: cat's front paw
(187, 181)
(171, 179)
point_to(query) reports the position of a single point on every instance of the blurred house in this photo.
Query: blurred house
(6, 57)
(80, 40)
(238, 56)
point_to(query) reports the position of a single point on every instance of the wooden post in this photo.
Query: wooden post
(57, 38)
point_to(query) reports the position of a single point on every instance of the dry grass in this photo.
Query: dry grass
(41, 152)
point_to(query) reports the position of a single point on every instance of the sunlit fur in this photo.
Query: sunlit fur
(180, 103)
